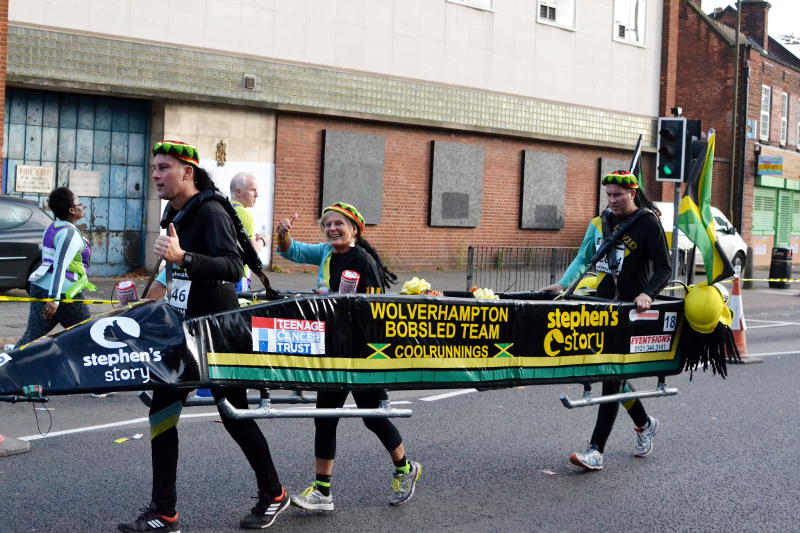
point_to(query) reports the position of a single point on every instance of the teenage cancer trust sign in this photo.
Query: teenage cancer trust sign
(288, 336)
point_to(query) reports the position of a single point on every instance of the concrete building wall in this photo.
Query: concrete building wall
(411, 71)
(248, 136)
(505, 50)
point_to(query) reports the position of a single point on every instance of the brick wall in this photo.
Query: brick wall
(404, 237)
(754, 21)
(669, 56)
(705, 91)
(781, 79)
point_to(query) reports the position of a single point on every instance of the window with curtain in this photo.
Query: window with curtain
(766, 101)
(784, 117)
(630, 21)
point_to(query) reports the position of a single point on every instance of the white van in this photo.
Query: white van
(730, 241)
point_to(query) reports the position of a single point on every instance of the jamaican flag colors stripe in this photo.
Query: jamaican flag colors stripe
(696, 221)
(436, 378)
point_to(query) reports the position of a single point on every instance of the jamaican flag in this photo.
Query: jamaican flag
(636, 163)
(696, 221)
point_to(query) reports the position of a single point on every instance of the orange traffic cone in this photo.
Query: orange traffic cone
(738, 325)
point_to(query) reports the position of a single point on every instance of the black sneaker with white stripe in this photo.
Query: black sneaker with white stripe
(266, 511)
(152, 520)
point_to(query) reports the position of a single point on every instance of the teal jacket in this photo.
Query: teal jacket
(312, 254)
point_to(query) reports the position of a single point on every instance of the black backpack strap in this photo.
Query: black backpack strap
(609, 243)
(246, 249)
(611, 253)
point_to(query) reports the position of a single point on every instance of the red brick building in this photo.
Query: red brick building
(763, 204)
(404, 235)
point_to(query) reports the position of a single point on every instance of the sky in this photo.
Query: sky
(784, 16)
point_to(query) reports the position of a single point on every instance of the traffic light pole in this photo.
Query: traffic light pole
(676, 200)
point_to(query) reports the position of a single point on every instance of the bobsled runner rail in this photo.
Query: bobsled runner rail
(660, 391)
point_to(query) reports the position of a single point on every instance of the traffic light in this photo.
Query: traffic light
(671, 149)
(694, 145)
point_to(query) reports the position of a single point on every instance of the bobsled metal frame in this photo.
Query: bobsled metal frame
(265, 409)
(587, 400)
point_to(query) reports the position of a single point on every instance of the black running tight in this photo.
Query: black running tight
(164, 413)
(325, 437)
(607, 414)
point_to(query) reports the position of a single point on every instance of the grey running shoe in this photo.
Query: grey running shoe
(312, 499)
(644, 438)
(403, 485)
(591, 459)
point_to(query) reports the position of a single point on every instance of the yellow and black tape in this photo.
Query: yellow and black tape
(61, 300)
(784, 280)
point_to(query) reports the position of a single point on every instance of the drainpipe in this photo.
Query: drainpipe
(743, 133)
(734, 129)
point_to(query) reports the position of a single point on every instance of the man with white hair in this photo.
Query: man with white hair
(244, 193)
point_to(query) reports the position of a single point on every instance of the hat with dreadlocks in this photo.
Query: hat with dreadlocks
(623, 178)
(183, 151)
(347, 210)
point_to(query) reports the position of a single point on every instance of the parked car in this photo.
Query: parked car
(730, 241)
(22, 224)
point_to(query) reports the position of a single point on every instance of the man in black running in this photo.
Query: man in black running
(635, 269)
(205, 263)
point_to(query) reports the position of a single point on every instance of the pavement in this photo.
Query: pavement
(15, 314)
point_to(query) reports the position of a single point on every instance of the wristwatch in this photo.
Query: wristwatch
(187, 260)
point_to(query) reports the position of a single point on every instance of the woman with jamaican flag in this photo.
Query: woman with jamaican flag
(635, 269)
(347, 263)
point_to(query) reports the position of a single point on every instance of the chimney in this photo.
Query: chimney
(755, 15)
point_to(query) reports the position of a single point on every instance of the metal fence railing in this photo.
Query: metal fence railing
(516, 268)
(522, 268)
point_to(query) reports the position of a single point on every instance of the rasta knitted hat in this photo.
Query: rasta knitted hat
(183, 151)
(347, 210)
(623, 178)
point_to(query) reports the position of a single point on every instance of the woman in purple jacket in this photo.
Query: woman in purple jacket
(62, 274)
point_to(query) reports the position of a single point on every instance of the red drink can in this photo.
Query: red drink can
(126, 291)
(349, 281)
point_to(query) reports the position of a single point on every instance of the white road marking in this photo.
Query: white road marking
(138, 421)
(391, 402)
(771, 354)
(447, 395)
(773, 325)
(109, 425)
